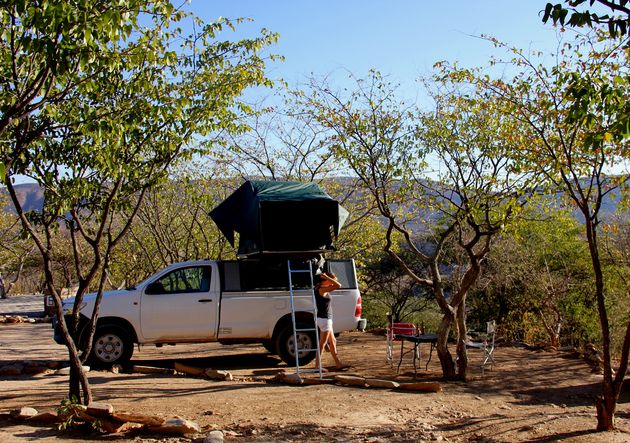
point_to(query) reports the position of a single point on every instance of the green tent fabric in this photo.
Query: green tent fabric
(279, 217)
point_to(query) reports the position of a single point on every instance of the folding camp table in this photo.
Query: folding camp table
(416, 340)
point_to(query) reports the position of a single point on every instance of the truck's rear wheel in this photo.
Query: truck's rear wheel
(111, 346)
(306, 340)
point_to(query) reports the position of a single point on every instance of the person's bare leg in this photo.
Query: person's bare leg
(323, 338)
(332, 345)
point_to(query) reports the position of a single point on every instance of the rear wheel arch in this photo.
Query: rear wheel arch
(284, 321)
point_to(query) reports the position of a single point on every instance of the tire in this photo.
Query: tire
(112, 345)
(285, 346)
(270, 346)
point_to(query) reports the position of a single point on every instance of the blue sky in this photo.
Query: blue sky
(401, 38)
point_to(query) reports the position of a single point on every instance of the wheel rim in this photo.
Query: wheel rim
(304, 342)
(109, 348)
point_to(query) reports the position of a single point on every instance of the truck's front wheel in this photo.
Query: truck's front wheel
(111, 346)
(285, 344)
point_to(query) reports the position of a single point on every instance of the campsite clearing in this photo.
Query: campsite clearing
(529, 395)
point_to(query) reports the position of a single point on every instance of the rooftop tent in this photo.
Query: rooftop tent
(280, 217)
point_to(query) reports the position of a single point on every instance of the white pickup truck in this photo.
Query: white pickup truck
(210, 301)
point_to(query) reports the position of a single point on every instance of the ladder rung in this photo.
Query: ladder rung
(307, 349)
(310, 370)
(300, 271)
(305, 330)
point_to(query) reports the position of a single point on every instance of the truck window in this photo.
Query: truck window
(194, 279)
(259, 275)
(272, 274)
(345, 272)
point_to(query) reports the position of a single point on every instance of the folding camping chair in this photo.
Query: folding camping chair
(486, 344)
(394, 329)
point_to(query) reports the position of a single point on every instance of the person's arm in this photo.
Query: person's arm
(330, 283)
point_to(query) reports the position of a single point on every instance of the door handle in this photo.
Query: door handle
(205, 300)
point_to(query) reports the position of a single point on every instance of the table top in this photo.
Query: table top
(421, 338)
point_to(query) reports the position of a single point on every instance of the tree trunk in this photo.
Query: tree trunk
(446, 360)
(607, 402)
(606, 406)
(78, 380)
(462, 331)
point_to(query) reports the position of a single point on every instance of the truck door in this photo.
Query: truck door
(181, 304)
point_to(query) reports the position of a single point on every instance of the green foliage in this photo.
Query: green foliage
(390, 290)
(68, 412)
(537, 283)
(618, 25)
(97, 102)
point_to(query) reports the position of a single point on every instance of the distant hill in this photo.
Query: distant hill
(30, 196)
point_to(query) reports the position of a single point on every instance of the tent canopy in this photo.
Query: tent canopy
(280, 217)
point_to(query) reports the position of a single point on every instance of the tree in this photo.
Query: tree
(15, 250)
(537, 282)
(98, 107)
(617, 25)
(576, 139)
(468, 196)
(173, 224)
(283, 144)
(392, 290)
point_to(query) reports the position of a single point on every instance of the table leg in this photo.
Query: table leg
(402, 354)
(426, 368)
(416, 355)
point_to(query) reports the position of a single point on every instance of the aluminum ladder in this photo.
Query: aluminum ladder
(313, 310)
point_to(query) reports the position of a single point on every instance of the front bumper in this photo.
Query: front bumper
(56, 325)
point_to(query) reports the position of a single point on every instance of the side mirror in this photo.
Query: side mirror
(155, 288)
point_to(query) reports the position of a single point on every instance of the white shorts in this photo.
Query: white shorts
(324, 324)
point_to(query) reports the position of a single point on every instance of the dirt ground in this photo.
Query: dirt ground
(535, 396)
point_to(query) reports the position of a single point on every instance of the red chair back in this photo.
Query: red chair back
(403, 329)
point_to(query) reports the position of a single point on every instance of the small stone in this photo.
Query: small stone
(292, 379)
(178, 426)
(214, 437)
(116, 369)
(215, 374)
(66, 370)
